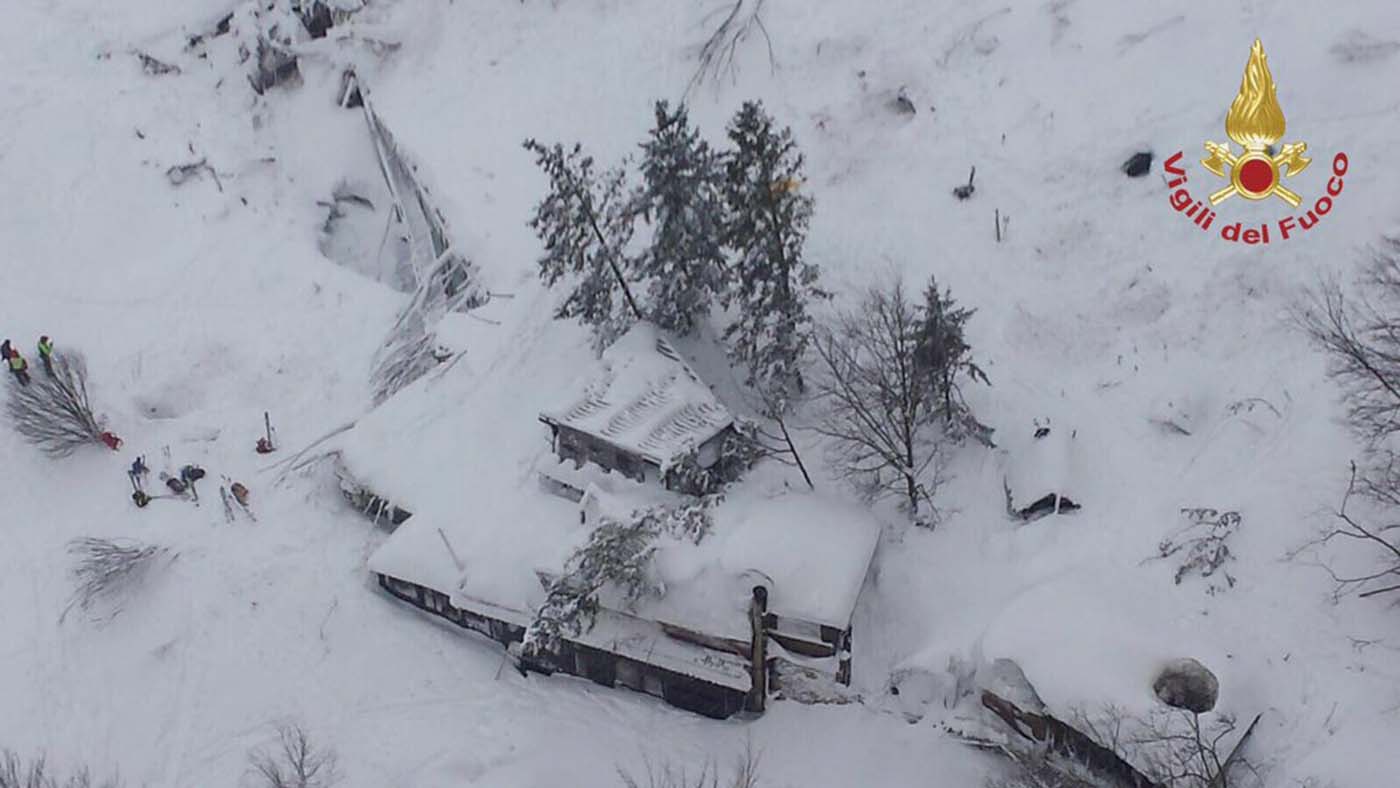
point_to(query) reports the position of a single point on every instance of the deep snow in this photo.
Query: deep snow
(1102, 308)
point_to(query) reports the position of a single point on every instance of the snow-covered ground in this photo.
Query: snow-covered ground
(200, 307)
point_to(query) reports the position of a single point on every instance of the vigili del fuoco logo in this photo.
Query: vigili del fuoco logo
(1256, 124)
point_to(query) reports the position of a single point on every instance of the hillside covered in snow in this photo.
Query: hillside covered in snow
(333, 231)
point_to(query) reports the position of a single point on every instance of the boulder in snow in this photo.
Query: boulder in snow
(1187, 684)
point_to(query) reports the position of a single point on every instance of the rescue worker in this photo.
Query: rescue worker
(189, 475)
(46, 354)
(138, 473)
(19, 367)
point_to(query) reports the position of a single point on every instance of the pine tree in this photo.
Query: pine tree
(942, 355)
(681, 197)
(617, 555)
(766, 226)
(585, 222)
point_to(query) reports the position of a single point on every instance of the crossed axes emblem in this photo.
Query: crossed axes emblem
(1250, 166)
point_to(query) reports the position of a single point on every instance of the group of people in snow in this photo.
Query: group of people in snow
(19, 366)
(182, 485)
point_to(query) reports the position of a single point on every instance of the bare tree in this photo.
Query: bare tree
(53, 412)
(667, 775)
(1383, 575)
(15, 773)
(1361, 337)
(106, 569)
(294, 761)
(881, 411)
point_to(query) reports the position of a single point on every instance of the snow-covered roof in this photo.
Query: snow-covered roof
(467, 460)
(643, 398)
(811, 553)
(1042, 465)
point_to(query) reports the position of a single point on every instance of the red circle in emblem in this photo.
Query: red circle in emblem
(1256, 176)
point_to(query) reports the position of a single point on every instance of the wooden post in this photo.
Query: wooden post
(758, 651)
(843, 656)
(997, 219)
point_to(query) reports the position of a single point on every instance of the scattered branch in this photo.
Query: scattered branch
(107, 569)
(717, 53)
(1348, 527)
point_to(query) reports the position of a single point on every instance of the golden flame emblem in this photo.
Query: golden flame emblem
(1255, 122)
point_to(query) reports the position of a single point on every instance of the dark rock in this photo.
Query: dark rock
(1138, 165)
(1187, 684)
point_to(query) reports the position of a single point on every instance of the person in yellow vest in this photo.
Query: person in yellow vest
(46, 354)
(19, 367)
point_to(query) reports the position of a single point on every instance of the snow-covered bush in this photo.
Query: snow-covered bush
(106, 570)
(53, 412)
(15, 773)
(294, 762)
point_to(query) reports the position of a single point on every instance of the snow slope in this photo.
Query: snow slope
(201, 307)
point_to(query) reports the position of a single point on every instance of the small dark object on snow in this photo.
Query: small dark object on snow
(263, 446)
(140, 499)
(5, 350)
(155, 67)
(176, 486)
(317, 19)
(902, 105)
(112, 441)
(240, 493)
(350, 91)
(1138, 165)
(1187, 684)
(964, 191)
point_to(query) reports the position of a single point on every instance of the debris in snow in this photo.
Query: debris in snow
(964, 191)
(155, 67)
(1357, 46)
(1187, 684)
(901, 103)
(178, 174)
(1204, 540)
(107, 568)
(1061, 740)
(1138, 165)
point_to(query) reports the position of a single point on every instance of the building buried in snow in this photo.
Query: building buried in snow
(765, 598)
(642, 413)
(1044, 472)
